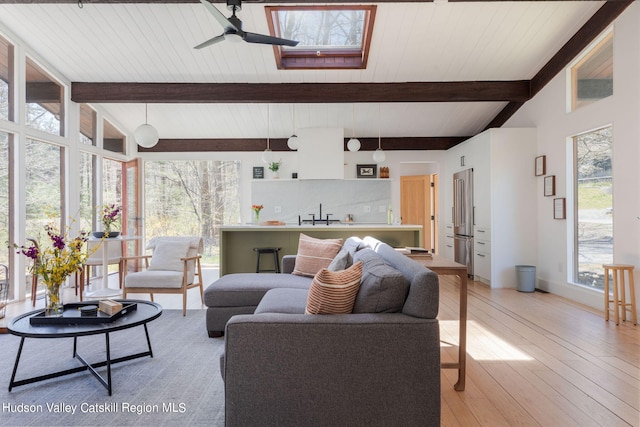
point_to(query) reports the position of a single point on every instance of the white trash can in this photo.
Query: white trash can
(526, 278)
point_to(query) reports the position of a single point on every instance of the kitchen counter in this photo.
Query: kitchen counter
(237, 241)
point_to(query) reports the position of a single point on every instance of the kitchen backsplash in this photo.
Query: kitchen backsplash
(283, 200)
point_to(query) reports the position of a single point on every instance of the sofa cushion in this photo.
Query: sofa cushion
(334, 292)
(383, 288)
(344, 259)
(166, 256)
(283, 300)
(247, 289)
(315, 254)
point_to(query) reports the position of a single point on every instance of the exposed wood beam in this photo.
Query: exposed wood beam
(280, 144)
(248, 1)
(580, 40)
(517, 91)
(43, 92)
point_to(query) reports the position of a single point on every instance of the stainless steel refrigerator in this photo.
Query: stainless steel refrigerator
(463, 218)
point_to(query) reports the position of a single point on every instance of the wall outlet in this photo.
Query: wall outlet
(367, 208)
(277, 209)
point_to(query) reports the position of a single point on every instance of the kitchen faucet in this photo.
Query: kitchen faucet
(319, 219)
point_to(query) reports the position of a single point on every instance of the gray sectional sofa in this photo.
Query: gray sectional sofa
(378, 366)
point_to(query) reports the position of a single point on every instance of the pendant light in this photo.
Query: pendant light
(354, 143)
(378, 155)
(267, 155)
(293, 142)
(146, 135)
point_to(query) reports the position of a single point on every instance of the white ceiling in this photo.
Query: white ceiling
(411, 42)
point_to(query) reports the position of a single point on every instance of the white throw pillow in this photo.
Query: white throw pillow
(166, 256)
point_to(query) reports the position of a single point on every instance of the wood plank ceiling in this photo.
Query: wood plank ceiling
(438, 72)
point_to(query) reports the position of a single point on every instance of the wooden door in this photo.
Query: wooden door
(131, 218)
(417, 205)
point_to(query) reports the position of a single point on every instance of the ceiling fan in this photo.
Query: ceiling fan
(233, 27)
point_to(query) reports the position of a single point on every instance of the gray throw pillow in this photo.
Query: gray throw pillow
(344, 259)
(383, 289)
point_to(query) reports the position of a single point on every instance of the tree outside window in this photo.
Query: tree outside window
(593, 206)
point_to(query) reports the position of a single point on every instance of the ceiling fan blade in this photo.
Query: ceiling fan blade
(226, 24)
(209, 42)
(260, 38)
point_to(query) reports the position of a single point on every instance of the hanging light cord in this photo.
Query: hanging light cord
(379, 137)
(353, 133)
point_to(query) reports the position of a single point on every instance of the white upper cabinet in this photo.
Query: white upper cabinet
(321, 153)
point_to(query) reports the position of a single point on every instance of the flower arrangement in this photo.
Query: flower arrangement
(256, 211)
(55, 261)
(110, 215)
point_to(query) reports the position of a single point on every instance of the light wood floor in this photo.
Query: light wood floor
(533, 359)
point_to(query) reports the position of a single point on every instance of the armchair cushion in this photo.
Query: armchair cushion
(154, 279)
(166, 256)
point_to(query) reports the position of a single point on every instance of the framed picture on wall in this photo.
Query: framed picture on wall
(559, 208)
(258, 172)
(367, 171)
(541, 165)
(550, 185)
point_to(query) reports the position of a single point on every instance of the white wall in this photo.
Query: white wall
(399, 163)
(547, 112)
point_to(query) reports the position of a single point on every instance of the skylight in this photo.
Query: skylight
(330, 36)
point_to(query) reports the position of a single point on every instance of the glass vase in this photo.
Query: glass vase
(256, 217)
(53, 300)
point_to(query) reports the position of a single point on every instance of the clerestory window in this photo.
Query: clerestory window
(330, 37)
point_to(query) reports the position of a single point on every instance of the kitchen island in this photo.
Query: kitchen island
(237, 241)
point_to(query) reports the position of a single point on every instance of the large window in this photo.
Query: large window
(86, 175)
(593, 206)
(6, 79)
(45, 97)
(329, 36)
(43, 186)
(4, 195)
(592, 75)
(111, 182)
(191, 198)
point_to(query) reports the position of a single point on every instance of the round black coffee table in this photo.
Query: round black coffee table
(32, 325)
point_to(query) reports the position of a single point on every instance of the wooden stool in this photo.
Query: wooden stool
(273, 251)
(619, 299)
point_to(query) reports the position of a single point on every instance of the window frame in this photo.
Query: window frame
(575, 261)
(593, 49)
(314, 59)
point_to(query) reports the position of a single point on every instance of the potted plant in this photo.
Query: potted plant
(275, 167)
(110, 217)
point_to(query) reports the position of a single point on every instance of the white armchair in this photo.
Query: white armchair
(173, 268)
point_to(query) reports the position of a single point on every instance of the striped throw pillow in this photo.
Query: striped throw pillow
(334, 292)
(315, 254)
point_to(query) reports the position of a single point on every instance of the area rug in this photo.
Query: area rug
(180, 385)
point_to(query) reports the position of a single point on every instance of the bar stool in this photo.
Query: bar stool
(273, 251)
(619, 299)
